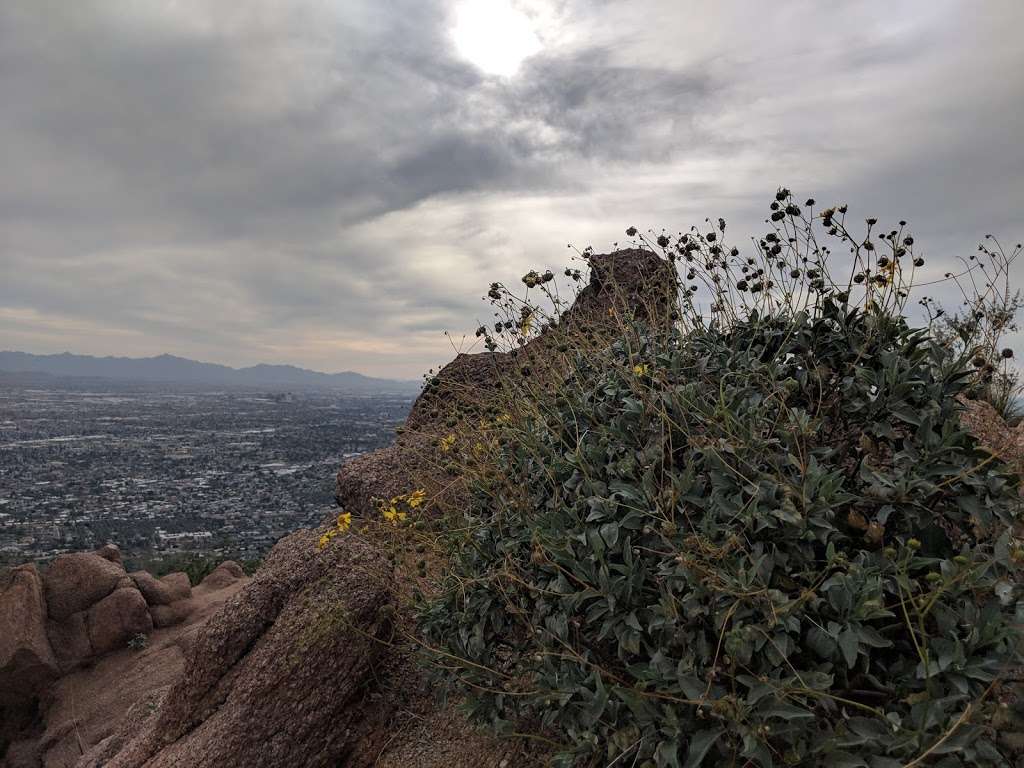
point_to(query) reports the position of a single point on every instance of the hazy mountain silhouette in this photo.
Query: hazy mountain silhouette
(169, 368)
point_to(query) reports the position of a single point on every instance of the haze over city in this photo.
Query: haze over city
(333, 185)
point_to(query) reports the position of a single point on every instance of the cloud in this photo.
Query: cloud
(331, 185)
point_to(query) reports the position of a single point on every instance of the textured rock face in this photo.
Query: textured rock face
(272, 678)
(64, 706)
(224, 575)
(169, 615)
(153, 589)
(115, 619)
(178, 584)
(27, 663)
(70, 638)
(74, 582)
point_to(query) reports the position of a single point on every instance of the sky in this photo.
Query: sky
(334, 184)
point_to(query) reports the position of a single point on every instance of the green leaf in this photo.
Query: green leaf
(700, 743)
(849, 643)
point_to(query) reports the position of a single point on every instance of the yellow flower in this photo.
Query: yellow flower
(390, 514)
(447, 443)
(640, 369)
(416, 498)
(344, 521)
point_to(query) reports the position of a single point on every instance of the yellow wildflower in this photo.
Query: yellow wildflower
(416, 498)
(447, 443)
(640, 369)
(344, 521)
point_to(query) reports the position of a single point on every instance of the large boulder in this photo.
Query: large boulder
(75, 581)
(118, 617)
(224, 575)
(153, 589)
(27, 663)
(276, 677)
(179, 584)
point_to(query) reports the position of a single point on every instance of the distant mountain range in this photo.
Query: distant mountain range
(180, 370)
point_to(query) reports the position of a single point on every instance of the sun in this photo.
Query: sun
(493, 35)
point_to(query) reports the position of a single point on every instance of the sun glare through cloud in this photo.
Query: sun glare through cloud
(494, 35)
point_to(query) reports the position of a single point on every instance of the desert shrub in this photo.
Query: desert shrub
(756, 538)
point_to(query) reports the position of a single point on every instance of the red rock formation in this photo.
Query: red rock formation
(75, 582)
(27, 663)
(273, 678)
(65, 682)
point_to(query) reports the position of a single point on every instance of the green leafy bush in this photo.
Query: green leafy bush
(750, 543)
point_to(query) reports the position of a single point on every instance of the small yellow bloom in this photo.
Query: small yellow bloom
(416, 498)
(344, 521)
(640, 369)
(447, 443)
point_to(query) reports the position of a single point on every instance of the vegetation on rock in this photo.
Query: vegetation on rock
(743, 531)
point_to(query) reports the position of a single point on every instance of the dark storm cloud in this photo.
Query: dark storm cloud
(330, 184)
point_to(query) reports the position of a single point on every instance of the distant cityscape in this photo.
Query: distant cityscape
(161, 469)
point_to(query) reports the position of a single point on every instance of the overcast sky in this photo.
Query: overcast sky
(335, 183)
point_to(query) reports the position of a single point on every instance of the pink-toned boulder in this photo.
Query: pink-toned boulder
(110, 552)
(224, 575)
(153, 589)
(74, 582)
(27, 663)
(179, 584)
(118, 617)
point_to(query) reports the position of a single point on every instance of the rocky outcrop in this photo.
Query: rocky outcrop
(66, 672)
(116, 619)
(77, 581)
(224, 575)
(179, 585)
(274, 678)
(155, 591)
(27, 663)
